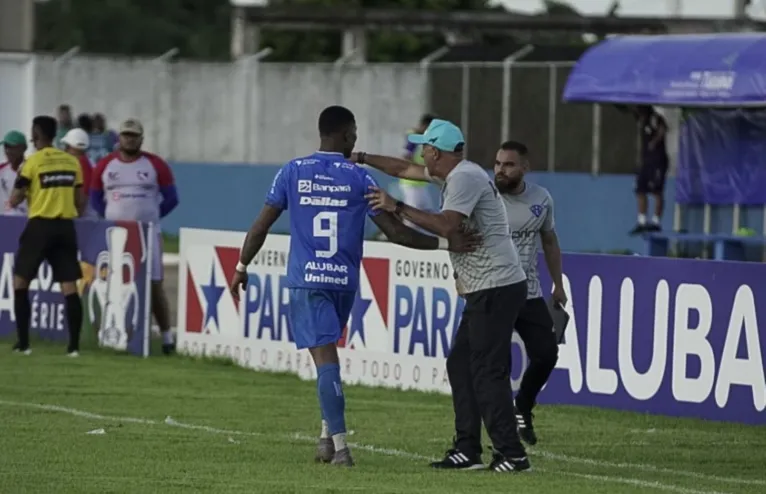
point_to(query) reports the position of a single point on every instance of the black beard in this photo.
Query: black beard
(505, 187)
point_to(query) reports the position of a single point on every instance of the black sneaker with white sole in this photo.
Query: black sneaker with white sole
(22, 349)
(508, 465)
(525, 426)
(457, 460)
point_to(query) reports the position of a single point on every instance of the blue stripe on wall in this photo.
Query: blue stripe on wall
(592, 213)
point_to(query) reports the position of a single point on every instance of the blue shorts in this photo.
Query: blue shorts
(317, 317)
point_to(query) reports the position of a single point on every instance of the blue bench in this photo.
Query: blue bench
(725, 247)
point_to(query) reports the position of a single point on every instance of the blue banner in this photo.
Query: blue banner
(722, 157)
(665, 336)
(114, 288)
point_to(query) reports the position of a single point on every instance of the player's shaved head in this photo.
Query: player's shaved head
(45, 126)
(335, 120)
(337, 130)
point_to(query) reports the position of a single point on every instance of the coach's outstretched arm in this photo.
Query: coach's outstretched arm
(395, 167)
(399, 233)
(254, 240)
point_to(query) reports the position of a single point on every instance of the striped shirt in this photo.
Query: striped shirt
(470, 191)
(529, 213)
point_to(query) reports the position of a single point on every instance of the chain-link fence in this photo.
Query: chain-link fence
(494, 102)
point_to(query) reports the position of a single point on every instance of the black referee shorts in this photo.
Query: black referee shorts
(52, 240)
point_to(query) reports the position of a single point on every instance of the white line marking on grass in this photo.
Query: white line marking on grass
(643, 467)
(405, 454)
(213, 430)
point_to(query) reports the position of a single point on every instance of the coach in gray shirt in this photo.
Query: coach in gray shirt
(495, 290)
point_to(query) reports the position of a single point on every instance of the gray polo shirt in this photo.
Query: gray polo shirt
(470, 191)
(529, 213)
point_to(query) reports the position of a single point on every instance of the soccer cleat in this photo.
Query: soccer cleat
(342, 458)
(168, 348)
(638, 229)
(325, 450)
(457, 460)
(525, 426)
(73, 354)
(24, 350)
(508, 465)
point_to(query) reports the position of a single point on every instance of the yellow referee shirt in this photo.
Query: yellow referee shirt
(51, 176)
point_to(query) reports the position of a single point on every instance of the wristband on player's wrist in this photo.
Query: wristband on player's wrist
(241, 268)
(443, 244)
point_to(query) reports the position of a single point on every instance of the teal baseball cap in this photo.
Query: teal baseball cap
(440, 134)
(14, 138)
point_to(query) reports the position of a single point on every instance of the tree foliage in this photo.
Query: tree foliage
(201, 29)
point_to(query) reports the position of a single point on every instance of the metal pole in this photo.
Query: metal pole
(552, 107)
(505, 114)
(238, 28)
(706, 219)
(433, 56)
(167, 56)
(159, 85)
(465, 105)
(248, 135)
(735, 218)
(58, 62)
(596, 142)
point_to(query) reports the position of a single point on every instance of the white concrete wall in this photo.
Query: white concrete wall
(227, 112)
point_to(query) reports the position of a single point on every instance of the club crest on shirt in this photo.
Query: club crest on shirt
(143, 175)
(537, 209)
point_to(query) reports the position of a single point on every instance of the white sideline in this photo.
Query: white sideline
(414, 456)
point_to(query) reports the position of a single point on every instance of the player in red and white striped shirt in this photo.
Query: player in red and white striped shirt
(133, 185)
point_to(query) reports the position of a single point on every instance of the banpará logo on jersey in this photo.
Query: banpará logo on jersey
(330, 188)
(304, 186)
(537, 209)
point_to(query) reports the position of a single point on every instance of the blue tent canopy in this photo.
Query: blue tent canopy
(710, 70)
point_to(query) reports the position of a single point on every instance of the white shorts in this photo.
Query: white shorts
(155, 244)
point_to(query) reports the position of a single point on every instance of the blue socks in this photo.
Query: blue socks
(331, 399)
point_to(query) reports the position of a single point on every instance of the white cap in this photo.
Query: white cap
(76, 138)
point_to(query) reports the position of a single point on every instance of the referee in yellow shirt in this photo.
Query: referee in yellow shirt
(51, 181)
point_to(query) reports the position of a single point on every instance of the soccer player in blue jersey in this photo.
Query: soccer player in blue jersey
(326, 195)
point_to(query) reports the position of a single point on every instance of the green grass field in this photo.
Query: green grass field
(170, 243)
(231, 430)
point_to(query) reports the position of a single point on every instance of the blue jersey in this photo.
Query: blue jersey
(325, 195)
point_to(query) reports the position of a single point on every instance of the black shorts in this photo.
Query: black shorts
(52, 240)
(650, 178)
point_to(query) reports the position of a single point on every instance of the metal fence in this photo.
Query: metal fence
(522, 101)
(256, 112)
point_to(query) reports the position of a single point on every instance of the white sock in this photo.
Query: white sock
(167, 337)
(325, 430)
(641, 219)
(655, 220)
(340, 441)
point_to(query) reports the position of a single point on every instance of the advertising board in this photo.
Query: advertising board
(115, 264)
(665, 336)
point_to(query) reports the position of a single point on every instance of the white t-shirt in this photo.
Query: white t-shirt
(7, 182)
